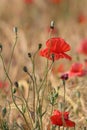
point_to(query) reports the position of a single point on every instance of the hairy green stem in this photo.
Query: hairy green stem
(13, 94)
(16, 37)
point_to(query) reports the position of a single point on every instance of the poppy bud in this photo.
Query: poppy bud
(15, 29)
(64, 76)
(39, 45)
(29, 55)
(16, 84)
(0, 47)
(52, 25)
(25, 69)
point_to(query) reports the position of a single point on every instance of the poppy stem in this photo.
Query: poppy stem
(11, 84)
(74, 128)
(64, 103)
(58, 127)
(84, 128)
(64, 93)
(12, 53)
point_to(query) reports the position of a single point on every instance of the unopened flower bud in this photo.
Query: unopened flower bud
(15, 29)
(64, 76)
(52, 25)
(25, 69)
(39, 46)
(0, 47)
(29, 55)
(16, 84)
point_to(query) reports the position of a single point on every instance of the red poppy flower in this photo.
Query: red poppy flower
(28, 1)
(77, 70)
(85, 63)
(83, 47)
(82, 18)
(3, 85)
(56, 1)
(61, 119)
(57, 47)
(59, 69)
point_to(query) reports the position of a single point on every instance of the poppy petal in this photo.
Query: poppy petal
(69, 123)
(56, 120)
(67, 56)
(58, 45)
(44, 53)
(56, 112)
(48, 54)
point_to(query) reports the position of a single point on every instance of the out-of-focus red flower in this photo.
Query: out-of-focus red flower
(57, 47)
(83, 47)
(82, 18)
(77, 70)
(28, 1)
(61, 119)
(55, 1)
(3, 85)
(59, 69)
(85, 63)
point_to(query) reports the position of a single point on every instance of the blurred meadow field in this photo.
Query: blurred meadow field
(32, 19)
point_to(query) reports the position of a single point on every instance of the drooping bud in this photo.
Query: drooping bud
(39, 46)
(29, 55)
(16, 84)
(25, 69)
